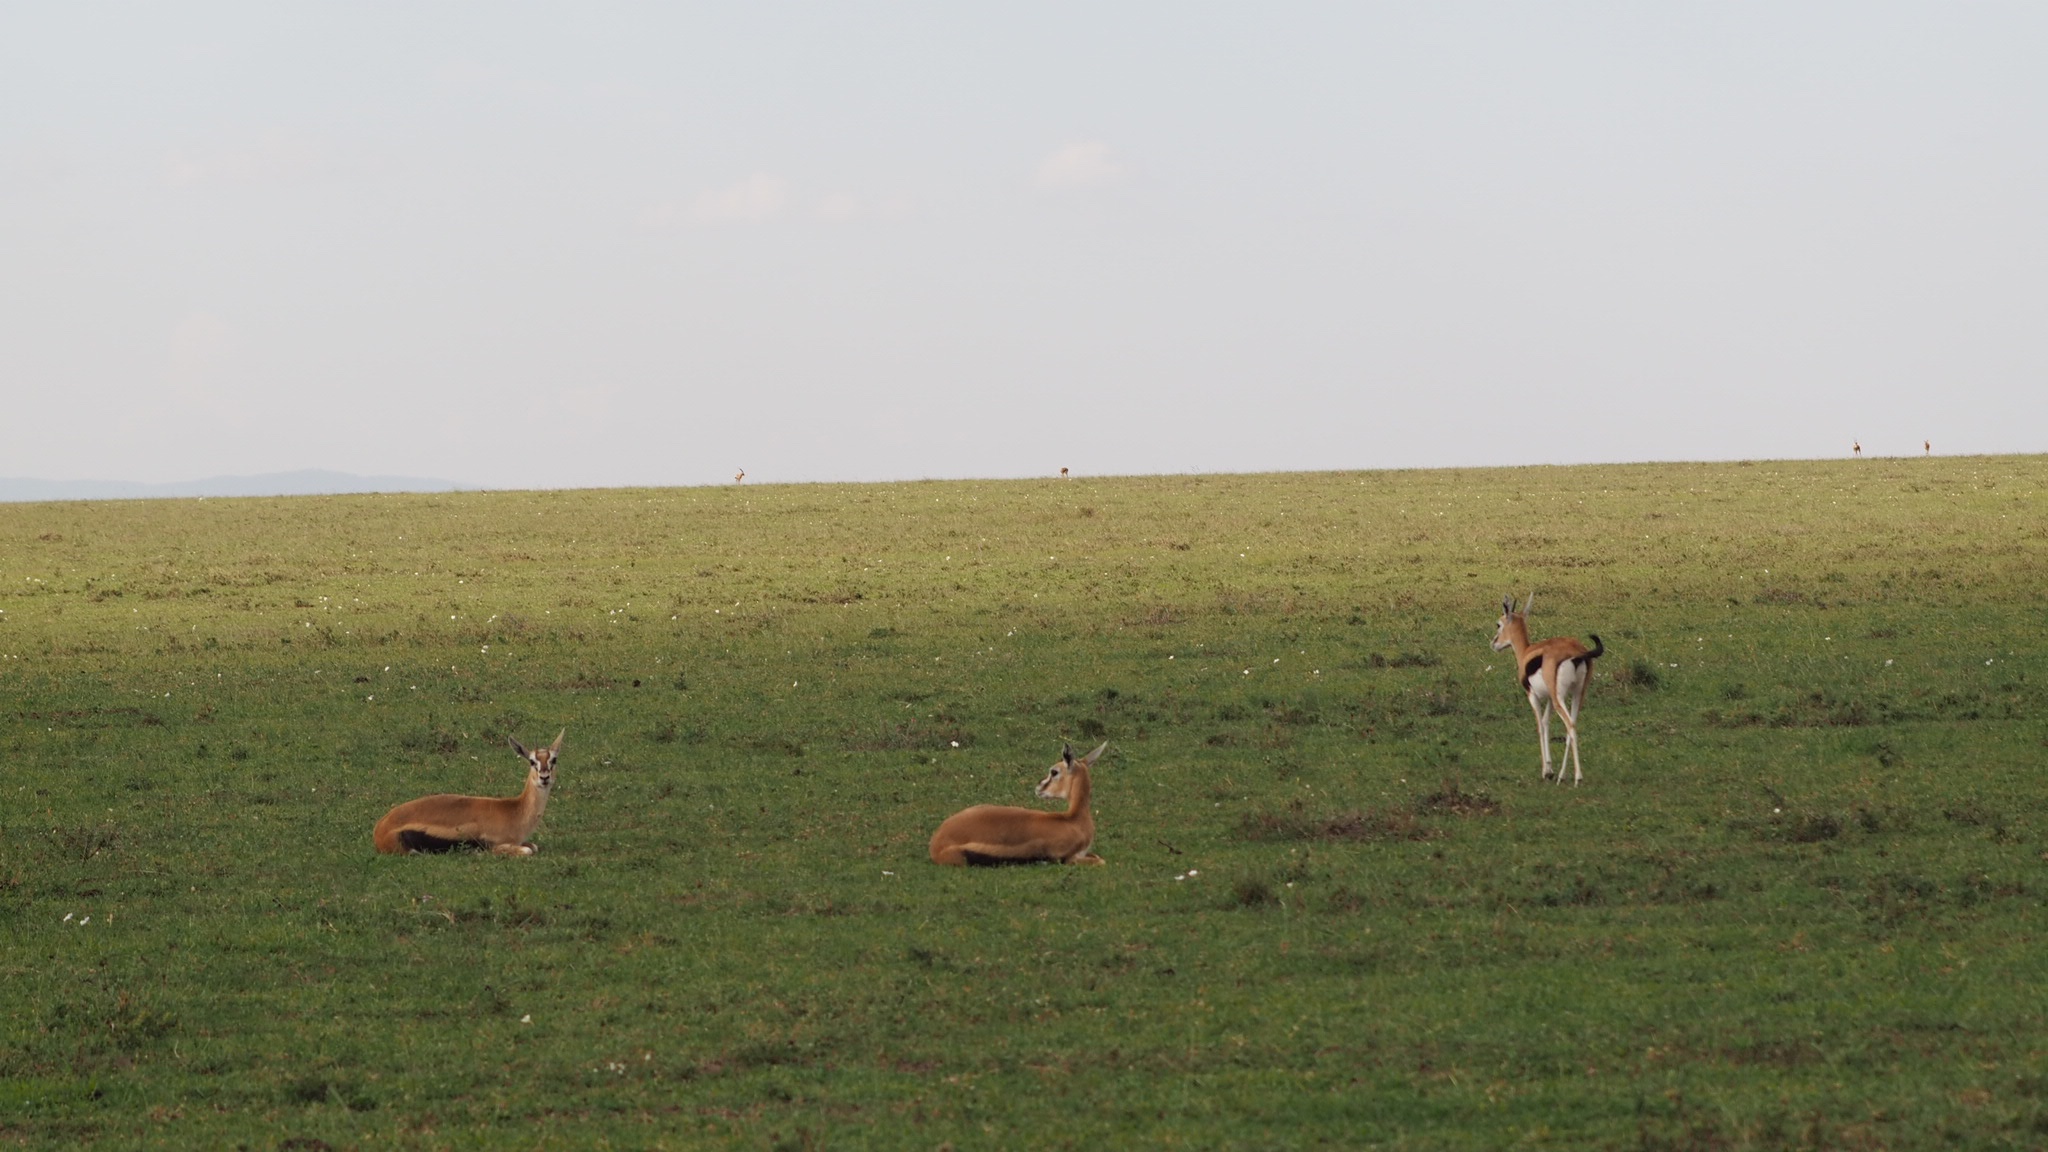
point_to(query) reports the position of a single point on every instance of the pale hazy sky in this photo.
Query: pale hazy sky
(601, 244)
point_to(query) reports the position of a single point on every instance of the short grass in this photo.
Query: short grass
(1799, 901)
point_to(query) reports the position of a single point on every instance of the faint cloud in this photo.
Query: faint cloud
(1084, 164)
(183, 171)
(759, 197)
(189, 52)
(265, 162)
(763, 197)
(201, 344)
(203, 377)
(39, 170)
(573, 411)
(465, 76)
(838, 207)
(843, 207)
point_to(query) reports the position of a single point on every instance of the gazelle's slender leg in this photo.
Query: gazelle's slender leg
(1564, 757)
(1577, 708)
(1571, 745)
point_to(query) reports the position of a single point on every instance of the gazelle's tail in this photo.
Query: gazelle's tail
(1599, 649)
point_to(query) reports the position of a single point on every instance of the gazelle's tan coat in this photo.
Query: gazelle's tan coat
(1550, 671)
(505, 826)
(998, 834)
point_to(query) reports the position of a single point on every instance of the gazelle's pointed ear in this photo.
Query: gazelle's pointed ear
(1066, 753)
(514, 742)
(1092, 757)
(556, 747)
(1507, 605)
(1529, 603)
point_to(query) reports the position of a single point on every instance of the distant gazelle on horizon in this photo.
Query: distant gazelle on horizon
(446, 822)
(1550, 671)
(999, 834)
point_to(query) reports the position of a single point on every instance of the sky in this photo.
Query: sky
(552, 245)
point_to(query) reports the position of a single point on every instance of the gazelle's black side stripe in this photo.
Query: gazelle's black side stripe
(415, 840)
(985, 860)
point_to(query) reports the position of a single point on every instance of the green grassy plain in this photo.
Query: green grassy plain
(1799, 902)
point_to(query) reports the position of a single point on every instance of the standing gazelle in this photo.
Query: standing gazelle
(996, 834)
(1554, 670)
(505, 826)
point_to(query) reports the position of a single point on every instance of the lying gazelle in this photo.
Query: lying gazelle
(997, 834)
(505, 826)
(1554, 670)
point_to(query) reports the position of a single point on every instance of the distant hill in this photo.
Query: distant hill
(311, 482)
